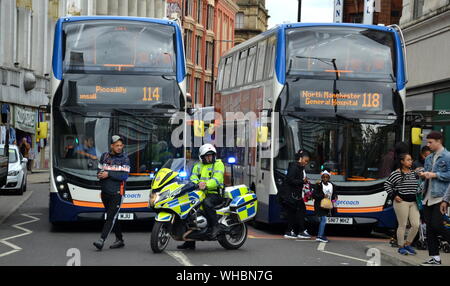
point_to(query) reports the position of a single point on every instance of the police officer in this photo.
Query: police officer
(208, 174)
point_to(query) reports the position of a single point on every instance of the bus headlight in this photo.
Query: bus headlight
(60, 179)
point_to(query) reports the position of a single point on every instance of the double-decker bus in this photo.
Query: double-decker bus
(112, 76)
(335, 90)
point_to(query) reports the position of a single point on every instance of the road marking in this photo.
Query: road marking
(321, 248)
(24, 198)
(180, 257)
(25, 232)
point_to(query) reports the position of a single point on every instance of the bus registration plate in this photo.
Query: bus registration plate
(124, 216)
(339, 220)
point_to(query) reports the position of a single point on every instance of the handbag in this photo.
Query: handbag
(326, 203)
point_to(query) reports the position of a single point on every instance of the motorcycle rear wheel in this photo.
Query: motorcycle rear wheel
(235, 241)
(160, 237)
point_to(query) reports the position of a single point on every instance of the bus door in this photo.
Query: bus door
(263, 168)
(250, 139)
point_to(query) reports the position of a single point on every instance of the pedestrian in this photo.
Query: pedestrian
(419, 163)
(24, 148)
(114, 167)
(324, 190)
(31, 158)
(291, 197)
(403, 185)
(436, 174)
(390, 162)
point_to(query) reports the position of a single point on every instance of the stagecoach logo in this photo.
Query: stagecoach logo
(444, 112)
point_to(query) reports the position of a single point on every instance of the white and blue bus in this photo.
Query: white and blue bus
(335, 90)
(112, 75)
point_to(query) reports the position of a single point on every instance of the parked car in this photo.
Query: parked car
(17, 171)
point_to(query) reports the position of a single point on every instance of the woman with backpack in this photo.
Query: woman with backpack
(291, 196)
(403, 185)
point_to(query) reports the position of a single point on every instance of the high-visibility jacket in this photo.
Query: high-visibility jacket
(211, 174)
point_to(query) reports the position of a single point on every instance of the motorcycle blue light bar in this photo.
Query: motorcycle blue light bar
(231, 160)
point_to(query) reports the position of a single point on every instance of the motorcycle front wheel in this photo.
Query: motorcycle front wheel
(160, 236)
(235, 238)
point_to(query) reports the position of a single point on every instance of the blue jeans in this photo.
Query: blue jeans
(323, 222)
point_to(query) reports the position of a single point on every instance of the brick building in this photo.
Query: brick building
(208, 28)
(386, 12)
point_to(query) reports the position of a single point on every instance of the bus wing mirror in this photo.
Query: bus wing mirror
(199, 128)
(416, 136)
(263, 132)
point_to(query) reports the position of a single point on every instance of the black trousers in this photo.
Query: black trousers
(434, 221)
(112, 205)
(295, 216)
(209, 203)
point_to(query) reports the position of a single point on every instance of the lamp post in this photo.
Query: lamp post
(299, 14)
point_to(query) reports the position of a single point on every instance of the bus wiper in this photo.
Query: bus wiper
(313, 121)
(393, 77)
(118, 110)
(71, 111)
(353, 120)
(328, 61)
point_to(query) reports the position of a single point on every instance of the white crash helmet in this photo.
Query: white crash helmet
(205, 149)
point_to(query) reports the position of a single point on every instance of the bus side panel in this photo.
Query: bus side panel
(385, 218)
(62, 211)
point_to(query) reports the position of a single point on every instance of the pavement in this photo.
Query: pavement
(10, 203)
(39, 176)
(391, 255)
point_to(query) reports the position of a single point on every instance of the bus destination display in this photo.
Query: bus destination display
(349, 101)
(119, 94)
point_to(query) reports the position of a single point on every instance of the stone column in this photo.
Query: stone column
(123, 8)
(113, 7)
(151, 8)
(132, 8)
(102, 7)
(142, 8)
(159, 8)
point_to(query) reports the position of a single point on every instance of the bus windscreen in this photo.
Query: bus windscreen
(341, 53)
(118, 46)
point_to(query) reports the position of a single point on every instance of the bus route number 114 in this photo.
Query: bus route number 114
(151, 94)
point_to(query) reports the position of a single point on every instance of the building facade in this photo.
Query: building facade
(251, 20)
(208, 29)
(386, 12)
(26, 43)
(426, 28)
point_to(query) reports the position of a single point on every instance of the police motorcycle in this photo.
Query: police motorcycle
(178, 204)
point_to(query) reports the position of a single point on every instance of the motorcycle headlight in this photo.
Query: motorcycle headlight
(154, 198)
